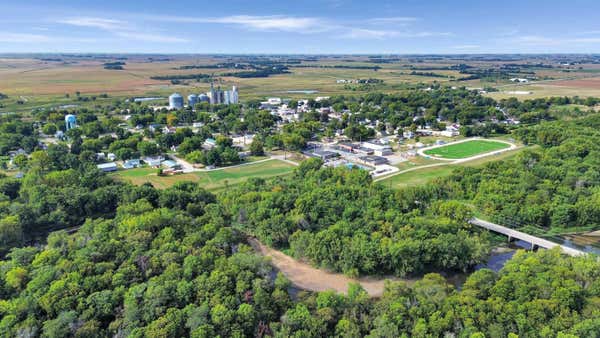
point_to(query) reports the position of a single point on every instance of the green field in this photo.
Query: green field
(210, 180)
(466, 149)
(424, 175)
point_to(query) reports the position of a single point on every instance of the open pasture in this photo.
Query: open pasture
(210, 180)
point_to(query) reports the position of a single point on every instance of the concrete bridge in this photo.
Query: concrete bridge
(536, 242)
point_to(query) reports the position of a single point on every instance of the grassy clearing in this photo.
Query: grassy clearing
(466, 149)
(210, 180)
(424, 175)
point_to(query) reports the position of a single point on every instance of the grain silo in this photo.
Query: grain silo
(175, 101)
(192, 100)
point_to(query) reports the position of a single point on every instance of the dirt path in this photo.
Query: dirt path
(307, 277)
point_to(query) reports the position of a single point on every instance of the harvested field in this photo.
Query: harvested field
(593, 83)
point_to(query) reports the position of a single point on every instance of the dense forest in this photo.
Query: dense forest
(339, 220)
(553, 185)
(169, 265)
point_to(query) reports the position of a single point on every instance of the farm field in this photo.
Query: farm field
(28, 77)
(579, 86)
(210, 180)
(466, 149)
(35, 83)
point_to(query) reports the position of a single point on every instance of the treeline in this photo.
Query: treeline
(459, 67)
(117, 65)
(374, 68)
(264, 72)
(172, 77)
(428, 74)
(338, 219)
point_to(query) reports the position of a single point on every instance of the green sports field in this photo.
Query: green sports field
(424, 175)
(466, 149)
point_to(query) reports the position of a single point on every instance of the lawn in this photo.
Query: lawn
(424, 175)
(210, 180)
(466, 149)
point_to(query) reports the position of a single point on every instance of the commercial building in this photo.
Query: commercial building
(324, 155)
(363, 151)
(373, 160)
(107, 167)
(348, 147)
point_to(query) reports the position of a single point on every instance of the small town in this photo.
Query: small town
(323, 168)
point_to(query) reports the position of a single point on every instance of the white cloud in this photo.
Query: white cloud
(121, 29)
(106, 24)
(23, 38)
(150, 37)
(365, 33)
(544, 41)
(270, 23)
(39, 38)
(304, 25)
(260, 23)
(402, 20)
(362, 33)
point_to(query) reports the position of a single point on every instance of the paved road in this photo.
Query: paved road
(188, 167)
(412, 169)
(512, 233)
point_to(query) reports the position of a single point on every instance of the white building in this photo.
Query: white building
(275, 101)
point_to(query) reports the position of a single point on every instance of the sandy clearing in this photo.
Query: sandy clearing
(309, 278)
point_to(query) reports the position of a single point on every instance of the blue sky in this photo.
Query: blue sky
(311, 26)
